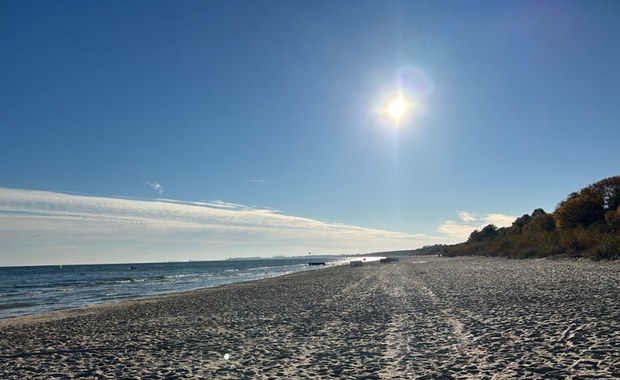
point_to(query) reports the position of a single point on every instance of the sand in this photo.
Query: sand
(426, 318)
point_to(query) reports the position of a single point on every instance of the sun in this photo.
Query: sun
(397, 108)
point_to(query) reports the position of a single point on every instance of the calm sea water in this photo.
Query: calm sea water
(30, 290)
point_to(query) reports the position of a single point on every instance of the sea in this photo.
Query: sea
(38, 289)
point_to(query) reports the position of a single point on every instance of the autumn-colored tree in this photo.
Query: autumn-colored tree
(540, 222)
(520, 223)
(488, 232)
(606, 193)
(585, 224)
(613, 220)
(578, 209)
(589, 205)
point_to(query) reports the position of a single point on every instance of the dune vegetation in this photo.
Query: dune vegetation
(585, 224)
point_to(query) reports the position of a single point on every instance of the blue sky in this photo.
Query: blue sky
(271, 111)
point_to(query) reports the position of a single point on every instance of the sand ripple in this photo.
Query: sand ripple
(438, 319)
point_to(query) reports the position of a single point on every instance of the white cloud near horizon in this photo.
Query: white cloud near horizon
(50, 227)
(467, 222)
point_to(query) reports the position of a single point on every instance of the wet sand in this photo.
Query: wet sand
(426, 318)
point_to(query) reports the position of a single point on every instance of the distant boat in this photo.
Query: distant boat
(133, 267)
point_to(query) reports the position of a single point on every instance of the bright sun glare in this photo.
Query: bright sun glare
(397, 108)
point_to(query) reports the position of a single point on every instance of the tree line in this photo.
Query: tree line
(585, 224)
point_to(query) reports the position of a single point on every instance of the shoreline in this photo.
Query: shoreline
(86, 309)
(45, 289)
(422, 318)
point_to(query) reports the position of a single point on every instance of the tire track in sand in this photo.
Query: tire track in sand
(343, 342)
(423, 337)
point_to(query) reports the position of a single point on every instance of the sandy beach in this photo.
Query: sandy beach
(426, 318)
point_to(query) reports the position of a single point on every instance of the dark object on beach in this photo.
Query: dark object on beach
(387, 260)
(316, 262)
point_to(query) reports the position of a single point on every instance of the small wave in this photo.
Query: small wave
(175, 276)
(16, 305)
(69, 282)
(111, 295)
(117, 281)
(26, 286)
(260, 269)
(10, 294)
(116, 296)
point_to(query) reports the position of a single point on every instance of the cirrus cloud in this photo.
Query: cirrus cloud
(49, 227)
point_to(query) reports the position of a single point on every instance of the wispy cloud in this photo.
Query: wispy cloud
(157, 187)
(462, 227)
(40, 222)
(48, 227)
(466, 216)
